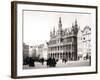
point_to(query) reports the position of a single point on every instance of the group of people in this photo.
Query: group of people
(50, 62)
(64, 60)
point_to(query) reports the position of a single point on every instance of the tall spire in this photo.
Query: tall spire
(60, 23)
(54, 30)
(75, 22)
(76, 26)
(72, 26)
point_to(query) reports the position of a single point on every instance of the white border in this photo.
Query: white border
(21, 72)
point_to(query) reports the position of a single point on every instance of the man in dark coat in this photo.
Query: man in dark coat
(49, 60)
(42, 61)
(53, 62)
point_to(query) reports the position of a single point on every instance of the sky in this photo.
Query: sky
(38, 24)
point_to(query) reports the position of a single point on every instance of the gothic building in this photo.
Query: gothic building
(63, 42)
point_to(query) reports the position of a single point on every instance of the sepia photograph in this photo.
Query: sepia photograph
(56, 39)
(53, 39)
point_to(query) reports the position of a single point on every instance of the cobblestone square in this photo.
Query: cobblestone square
(59, 64)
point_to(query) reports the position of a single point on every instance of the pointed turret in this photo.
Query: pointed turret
(60, 31)
(72, 28)
(72, 25)
(54, 30)
(60, 23)
(76, 26)
(76, 22)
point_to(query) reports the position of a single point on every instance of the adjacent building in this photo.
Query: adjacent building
(80, 44)
(43, 50)
(33, 51)
(39, 51)
(25, 50)
(63, 42)
(84, 42)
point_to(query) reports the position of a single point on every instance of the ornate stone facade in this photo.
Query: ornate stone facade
(87, 41)
(39, 51)
(63, 42)
(84, 42)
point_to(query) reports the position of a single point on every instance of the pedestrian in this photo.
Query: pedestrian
(53, 62)
(42, 61)
(49, 60)
(65, 60)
